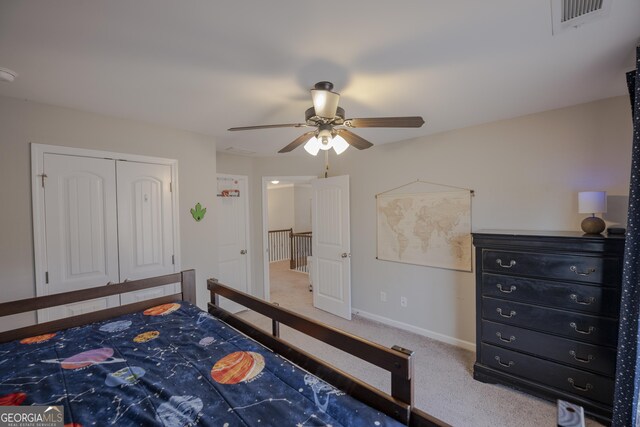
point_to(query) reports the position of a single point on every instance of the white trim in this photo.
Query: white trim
(37, 197)
(266, 180)
(85, 152)
(247, 212)
(415, 329)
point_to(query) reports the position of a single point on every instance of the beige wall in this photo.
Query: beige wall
(526, 173)
(280, 208)
(302, 195)
(23, 122)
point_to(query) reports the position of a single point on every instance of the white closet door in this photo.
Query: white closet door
(81, 230)
(145, 226)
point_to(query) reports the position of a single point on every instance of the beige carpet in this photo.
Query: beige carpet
(444, 384)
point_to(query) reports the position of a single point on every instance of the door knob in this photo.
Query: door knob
(345, 255)
(243, 252)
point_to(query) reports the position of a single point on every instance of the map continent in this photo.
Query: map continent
(432, 229)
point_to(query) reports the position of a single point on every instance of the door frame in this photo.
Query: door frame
(37, 198)
(247, 212)
(266, 283)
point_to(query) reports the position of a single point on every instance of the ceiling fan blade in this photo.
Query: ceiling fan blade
(354, 140)
(385, 122)
(297, 142)
(287, 125)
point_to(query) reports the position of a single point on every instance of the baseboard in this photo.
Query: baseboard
(417, 330)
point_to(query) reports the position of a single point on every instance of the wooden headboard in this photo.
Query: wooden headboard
(186, 278)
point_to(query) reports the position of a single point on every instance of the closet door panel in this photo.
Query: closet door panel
(81, 230)
(145, 225)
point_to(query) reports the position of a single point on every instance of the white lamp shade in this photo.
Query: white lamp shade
(325, 103)
(339, 144)
(312, 146)
(592, 202)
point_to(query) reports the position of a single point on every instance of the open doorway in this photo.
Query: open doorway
(287, 235)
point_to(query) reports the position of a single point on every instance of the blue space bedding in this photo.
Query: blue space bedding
(171, 365)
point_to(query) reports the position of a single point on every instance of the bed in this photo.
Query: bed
(166, 362)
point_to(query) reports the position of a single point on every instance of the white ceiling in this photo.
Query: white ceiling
(206, 66)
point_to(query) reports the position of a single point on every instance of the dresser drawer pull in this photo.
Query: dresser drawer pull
(511, 338)
(577, 387)
(506, 365)
(508, 316)
(587, 301)
(506, 291)
(585, 273)
(575, 328)
(589, 358)
(511, 263)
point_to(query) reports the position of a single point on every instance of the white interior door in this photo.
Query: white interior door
(145, 226)
(81, 230)
(233, 247)
(331, 246)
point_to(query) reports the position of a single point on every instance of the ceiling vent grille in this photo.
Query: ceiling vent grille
(568, 14)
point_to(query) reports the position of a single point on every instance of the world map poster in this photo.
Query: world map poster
(432, 229)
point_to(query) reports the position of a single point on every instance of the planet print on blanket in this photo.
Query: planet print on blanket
(12, 399)
(37, 339)
(161, 310)
(97, 356)
(147, 336)
(179, 411)
(124, 376)
(117, 326)
(237, 367)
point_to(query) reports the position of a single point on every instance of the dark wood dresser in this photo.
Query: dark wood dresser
(547, 307)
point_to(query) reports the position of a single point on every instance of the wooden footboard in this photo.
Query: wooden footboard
(186, 278)
(395, 360)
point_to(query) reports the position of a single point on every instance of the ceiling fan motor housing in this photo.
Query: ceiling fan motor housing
(313, 119)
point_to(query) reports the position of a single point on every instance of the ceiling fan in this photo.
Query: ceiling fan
(332, 129)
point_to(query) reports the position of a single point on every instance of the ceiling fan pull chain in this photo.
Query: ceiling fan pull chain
(326, 164)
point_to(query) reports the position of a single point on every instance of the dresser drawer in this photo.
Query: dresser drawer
(588, 269)
(573, 296)
(595, 358)
(581, 327)
(575, 381)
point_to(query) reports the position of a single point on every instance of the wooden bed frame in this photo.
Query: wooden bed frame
(396, 360)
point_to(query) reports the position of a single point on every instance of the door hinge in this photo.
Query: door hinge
(170, 187)
(46, 277)
(42, 177)
(173, 259)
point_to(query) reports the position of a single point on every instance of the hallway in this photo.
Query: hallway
(290, 288)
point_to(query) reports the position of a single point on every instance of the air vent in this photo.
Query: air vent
(571, 14)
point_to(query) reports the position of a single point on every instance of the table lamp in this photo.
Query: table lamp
(592, 202)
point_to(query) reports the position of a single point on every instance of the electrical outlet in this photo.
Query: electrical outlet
(383, 296)
(403, 301)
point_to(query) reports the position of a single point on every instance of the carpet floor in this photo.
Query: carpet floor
(444, 384)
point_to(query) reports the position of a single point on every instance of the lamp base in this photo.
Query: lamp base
(592, 225)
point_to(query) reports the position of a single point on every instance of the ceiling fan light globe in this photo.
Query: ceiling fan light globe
(339, 144)
(312, 146)
(325, 142)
